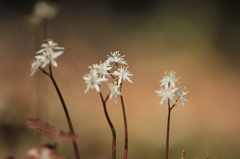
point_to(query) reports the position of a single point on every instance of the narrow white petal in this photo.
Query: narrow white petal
(97, 88)
(59, 48)
(41, 57)
(56, 54)
(54, 63)
(45, 64)
(86, 90)
(40, 51)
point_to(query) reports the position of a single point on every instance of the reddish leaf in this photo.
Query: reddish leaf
(41, 127)
(35, 123)
(67, 136)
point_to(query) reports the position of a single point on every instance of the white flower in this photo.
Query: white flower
(43, 152)
(181, 95)
(122, 73)
(114, 88)
(40, 153)
(103, 69)
(93, 81)
(49, 57)
(167, 93)
(35, 66)
(47, 53)
(116, 57)
(49, 46)
(169, 80)
(171, 88)
(45, 10)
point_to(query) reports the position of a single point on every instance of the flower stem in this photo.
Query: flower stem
(168, 130)
(75, 146)
(168, 126)
(125, 127)
(114, 136)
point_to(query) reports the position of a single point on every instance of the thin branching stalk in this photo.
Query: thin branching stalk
(125, 126)
(168, 126)
(168, 130)
(114, 136)
(75, 146)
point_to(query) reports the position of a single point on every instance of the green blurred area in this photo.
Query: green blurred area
(199, 40)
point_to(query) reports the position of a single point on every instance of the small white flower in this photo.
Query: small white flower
(116, 57)
(43, 152)
(114, 88)
(47, 53)
(35, 66)
(169, 80)
(49, 57)
(40, 153)
(93, 81)
(103, 69)
(167, 93)
(49, 46)
(181, 95)
(122, 73)
(45, 10)
(33, 153)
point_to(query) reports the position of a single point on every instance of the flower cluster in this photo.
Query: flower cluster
(170, 87)
(43, 10)
(101, 73)
(46, 55)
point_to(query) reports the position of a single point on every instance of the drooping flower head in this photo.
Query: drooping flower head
(170, 87)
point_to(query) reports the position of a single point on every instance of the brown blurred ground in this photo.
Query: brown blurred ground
(163, 38)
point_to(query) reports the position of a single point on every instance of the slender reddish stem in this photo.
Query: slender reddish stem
(125, 126)
(114, 135)
(168, 130)
(75, 146)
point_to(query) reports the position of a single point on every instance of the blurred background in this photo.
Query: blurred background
(197, 39)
